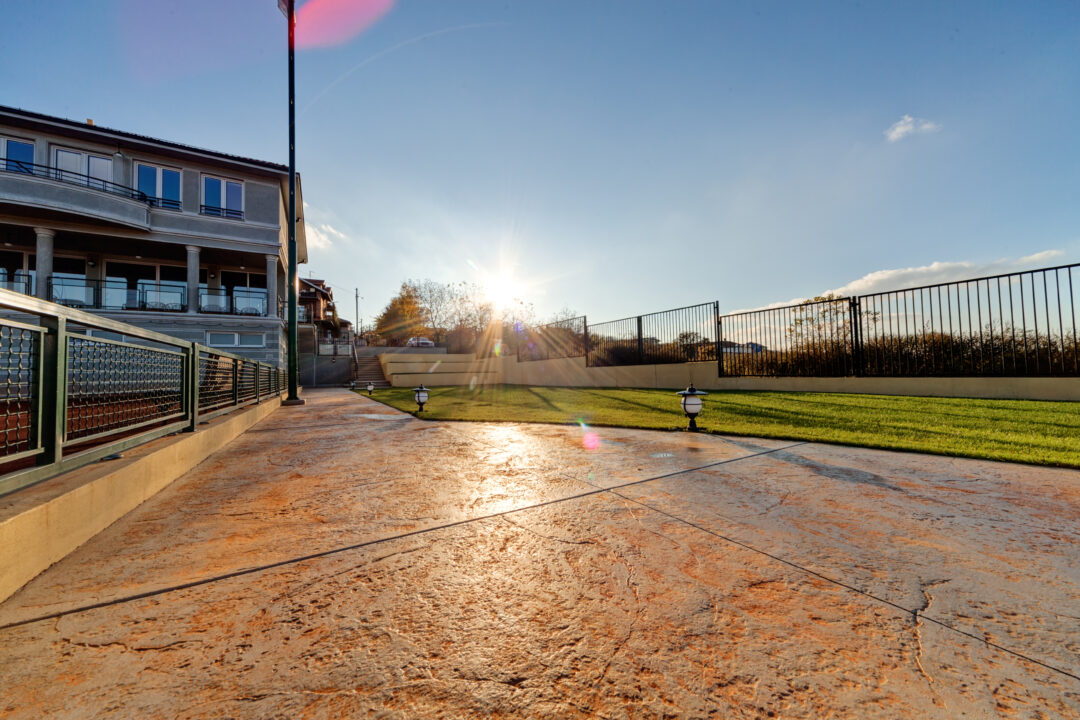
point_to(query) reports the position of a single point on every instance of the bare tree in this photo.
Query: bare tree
(437, 304)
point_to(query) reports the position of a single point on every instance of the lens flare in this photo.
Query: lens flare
(498, 348)
(323, 23)
(590, 440)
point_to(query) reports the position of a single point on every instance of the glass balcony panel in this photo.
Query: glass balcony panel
(249, 301)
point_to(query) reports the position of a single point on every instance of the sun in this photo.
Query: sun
(500, 290)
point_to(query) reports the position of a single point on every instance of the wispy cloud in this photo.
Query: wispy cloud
(908, 125)
(935, 272)
(940, 272)
(321, 236)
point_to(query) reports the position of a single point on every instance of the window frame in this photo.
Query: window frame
(84, 166)
(222, 210)
(158, 200)
(5, 139)
(235, 339)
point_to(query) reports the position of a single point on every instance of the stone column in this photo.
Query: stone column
(271, 285)
(44, 261)
(192, 279)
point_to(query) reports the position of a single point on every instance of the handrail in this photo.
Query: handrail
(73, 398)
(71, 177)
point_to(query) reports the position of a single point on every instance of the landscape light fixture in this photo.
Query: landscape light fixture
(691, 404)
(370, 387)
(421, 394)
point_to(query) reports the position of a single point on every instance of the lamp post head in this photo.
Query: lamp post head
(421, 394)
(691, 404)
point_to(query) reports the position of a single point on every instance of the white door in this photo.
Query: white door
(69, 166)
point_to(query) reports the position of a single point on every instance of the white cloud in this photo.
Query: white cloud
(935, 272)
(908, 125)
(321, 236)
(940, 272)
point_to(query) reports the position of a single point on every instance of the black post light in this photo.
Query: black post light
(421, 394)
(691, 404)
(370, 387)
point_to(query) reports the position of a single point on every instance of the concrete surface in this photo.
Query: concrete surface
(42, 523)
(344, 560)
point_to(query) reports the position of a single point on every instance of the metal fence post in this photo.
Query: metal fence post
(585, 322)
(258, 388)
(192, 394)
(856, 336)
(719, 341)
(53, 397)
(640, 342)
(235, 382)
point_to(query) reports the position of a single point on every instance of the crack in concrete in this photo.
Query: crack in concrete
(928, 600)
(546, 537)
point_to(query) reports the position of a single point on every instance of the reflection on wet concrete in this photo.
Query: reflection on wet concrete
(594, 606)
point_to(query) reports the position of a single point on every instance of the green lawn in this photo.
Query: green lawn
(1044, 433)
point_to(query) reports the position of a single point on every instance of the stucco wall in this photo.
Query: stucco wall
(572, 372)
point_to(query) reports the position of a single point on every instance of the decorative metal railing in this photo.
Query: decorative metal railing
(69, 177)
(682, 335)
(215, 211)
(69, 397)
(562, 339)
(1022, 324)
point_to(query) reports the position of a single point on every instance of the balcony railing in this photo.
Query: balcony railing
(215, 211)
(69, 177)
(19, 282)
(117, 295)
(114, 294)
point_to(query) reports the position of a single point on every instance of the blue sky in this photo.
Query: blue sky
(613, 157)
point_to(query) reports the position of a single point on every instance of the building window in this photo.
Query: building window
(83, 169)
(223, 198)
(231, 339)
(18, 155)
(161, 186)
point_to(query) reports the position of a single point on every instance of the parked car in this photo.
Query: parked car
(419, 342)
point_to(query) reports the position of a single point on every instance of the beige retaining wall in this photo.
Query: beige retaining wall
(572, 372)
(41, 524)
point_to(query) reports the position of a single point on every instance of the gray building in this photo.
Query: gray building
(184, 241)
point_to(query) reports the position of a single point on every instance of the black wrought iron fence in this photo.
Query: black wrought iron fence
(682, 335)
(562, 339)
(811, 339)
(1022, 324)
(1016, 324)
(69, 397)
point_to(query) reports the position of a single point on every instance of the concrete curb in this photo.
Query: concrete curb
(43, 523)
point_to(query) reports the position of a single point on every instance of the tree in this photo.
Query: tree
(402, 318)
(437, 305)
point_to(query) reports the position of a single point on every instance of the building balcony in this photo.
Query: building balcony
(72, 193)
(240, 301)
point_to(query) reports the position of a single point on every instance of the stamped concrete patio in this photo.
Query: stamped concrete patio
(344, 560)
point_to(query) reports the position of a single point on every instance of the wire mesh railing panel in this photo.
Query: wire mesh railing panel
(562, 339)
(245, 381)
(113, 386)
(19, 362)
(812, 339)
(215, 381)
(1018, 324)
(265, 382)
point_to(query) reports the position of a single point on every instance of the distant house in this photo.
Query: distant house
(749, 348)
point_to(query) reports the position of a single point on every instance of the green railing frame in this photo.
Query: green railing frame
(48, 435)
